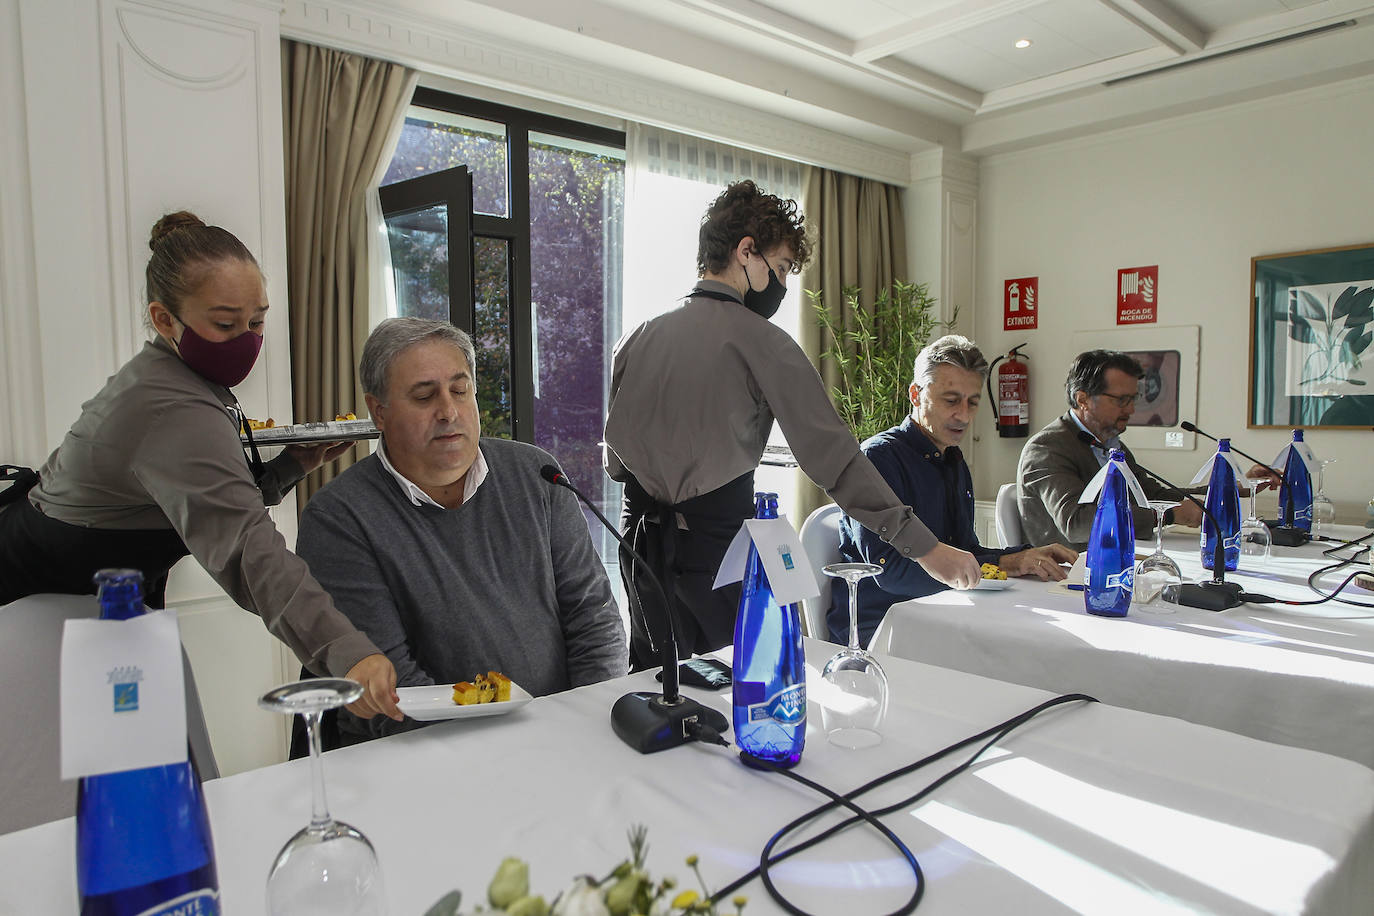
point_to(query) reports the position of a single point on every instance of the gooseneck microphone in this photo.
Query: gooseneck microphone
(1192, 428)
(1282, 532)
(645, 720)
(1215, 594)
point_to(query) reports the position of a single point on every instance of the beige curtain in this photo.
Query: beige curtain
(341, 115)
(860, 241)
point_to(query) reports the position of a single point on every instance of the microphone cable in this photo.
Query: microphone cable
(991, 736)
(1316, 574)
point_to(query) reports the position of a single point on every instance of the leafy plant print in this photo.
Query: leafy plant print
(1330, 325)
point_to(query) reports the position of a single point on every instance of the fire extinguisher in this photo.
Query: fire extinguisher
(1011, 401)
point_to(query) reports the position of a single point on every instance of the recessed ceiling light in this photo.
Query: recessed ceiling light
(1023, 43)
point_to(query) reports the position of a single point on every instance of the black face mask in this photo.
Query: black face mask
(764, 302)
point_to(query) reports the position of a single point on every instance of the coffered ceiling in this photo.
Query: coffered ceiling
(913, 74)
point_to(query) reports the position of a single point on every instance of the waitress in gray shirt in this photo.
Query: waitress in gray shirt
(694, 394)
(152, 469)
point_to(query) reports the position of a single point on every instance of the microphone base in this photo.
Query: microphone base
(1210, 596)
(648, 723)
(1288, 536)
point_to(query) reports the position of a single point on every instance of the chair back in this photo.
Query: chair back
(820, 536)
(32, 790)
(1008, 517)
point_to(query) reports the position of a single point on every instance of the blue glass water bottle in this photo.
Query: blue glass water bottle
(1223, 501)
(1108, 576)
(143, 844)
(1295, 493)
(770, 666)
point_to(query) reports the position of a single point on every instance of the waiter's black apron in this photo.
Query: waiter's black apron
(686, 561)
(41, 555)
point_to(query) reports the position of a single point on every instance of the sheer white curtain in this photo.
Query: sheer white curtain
(670, 180)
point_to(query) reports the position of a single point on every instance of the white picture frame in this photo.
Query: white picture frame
(1169, 389)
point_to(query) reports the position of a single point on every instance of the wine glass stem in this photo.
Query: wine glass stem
(1159, 530)
(319, 809)
(1254, 495)
(853, 613)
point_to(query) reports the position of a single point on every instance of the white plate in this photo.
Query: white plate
(329, 431)
(993, 585)
(429, 704)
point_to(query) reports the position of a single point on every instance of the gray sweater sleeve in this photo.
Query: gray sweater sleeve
(828, 452)
(340, 554)
(592, 628)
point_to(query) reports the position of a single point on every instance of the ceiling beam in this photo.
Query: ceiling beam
(953, 18)
(1162, 22)
(804, 36)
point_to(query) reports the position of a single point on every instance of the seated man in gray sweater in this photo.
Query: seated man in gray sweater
(448, 550)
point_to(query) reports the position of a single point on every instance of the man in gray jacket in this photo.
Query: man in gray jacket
(447, 549)
(1059, 461)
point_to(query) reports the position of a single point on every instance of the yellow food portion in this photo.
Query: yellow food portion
(992, 571)
(492, 687)
(269, 422)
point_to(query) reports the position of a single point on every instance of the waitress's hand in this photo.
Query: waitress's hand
(309, 457)
(378, 677)
(952, 566)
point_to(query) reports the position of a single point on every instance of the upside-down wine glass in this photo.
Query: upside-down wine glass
(1323, 509)
(858, 713)
(1157, 577)
(1255, 539)
(328, 867)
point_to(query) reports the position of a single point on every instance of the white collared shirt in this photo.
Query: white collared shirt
(1102, 451)
(476, 474)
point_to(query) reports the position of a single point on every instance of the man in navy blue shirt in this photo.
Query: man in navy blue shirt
(922, 462)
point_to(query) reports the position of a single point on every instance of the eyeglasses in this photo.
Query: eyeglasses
(1121, 400)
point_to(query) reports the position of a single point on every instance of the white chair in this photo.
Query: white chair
(820, 537)
(1008, 517)
(31, 788)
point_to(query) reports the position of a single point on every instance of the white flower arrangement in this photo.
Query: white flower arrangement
(628, 890)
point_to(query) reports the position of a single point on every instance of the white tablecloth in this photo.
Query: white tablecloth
(1091, 809)
(1301, 676)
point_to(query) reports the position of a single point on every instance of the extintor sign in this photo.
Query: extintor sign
(1020, 304)
(1137, 295)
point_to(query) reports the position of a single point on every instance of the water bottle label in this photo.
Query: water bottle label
(1231, 543)
(1124, 579)
(204, 902)
(787, 706)
(1302, 514)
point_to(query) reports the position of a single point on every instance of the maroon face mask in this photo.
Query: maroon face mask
(226, 362)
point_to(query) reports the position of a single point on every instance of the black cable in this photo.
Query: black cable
(1340, 543)
(1266, 599)
(996, 733)
(709, 735)
(1255, 598)
(992, 735)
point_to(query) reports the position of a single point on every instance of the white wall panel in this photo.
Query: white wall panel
(1199, 196)
(133, 108)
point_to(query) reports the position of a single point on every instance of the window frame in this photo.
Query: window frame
(514, 229)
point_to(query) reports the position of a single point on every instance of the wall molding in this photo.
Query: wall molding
(438, 47)
(23, 436)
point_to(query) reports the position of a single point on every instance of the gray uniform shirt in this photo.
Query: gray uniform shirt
(693, 397)
(159, 448)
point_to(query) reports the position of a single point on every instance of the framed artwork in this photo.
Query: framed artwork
(1311, 325)
(1167, 391)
